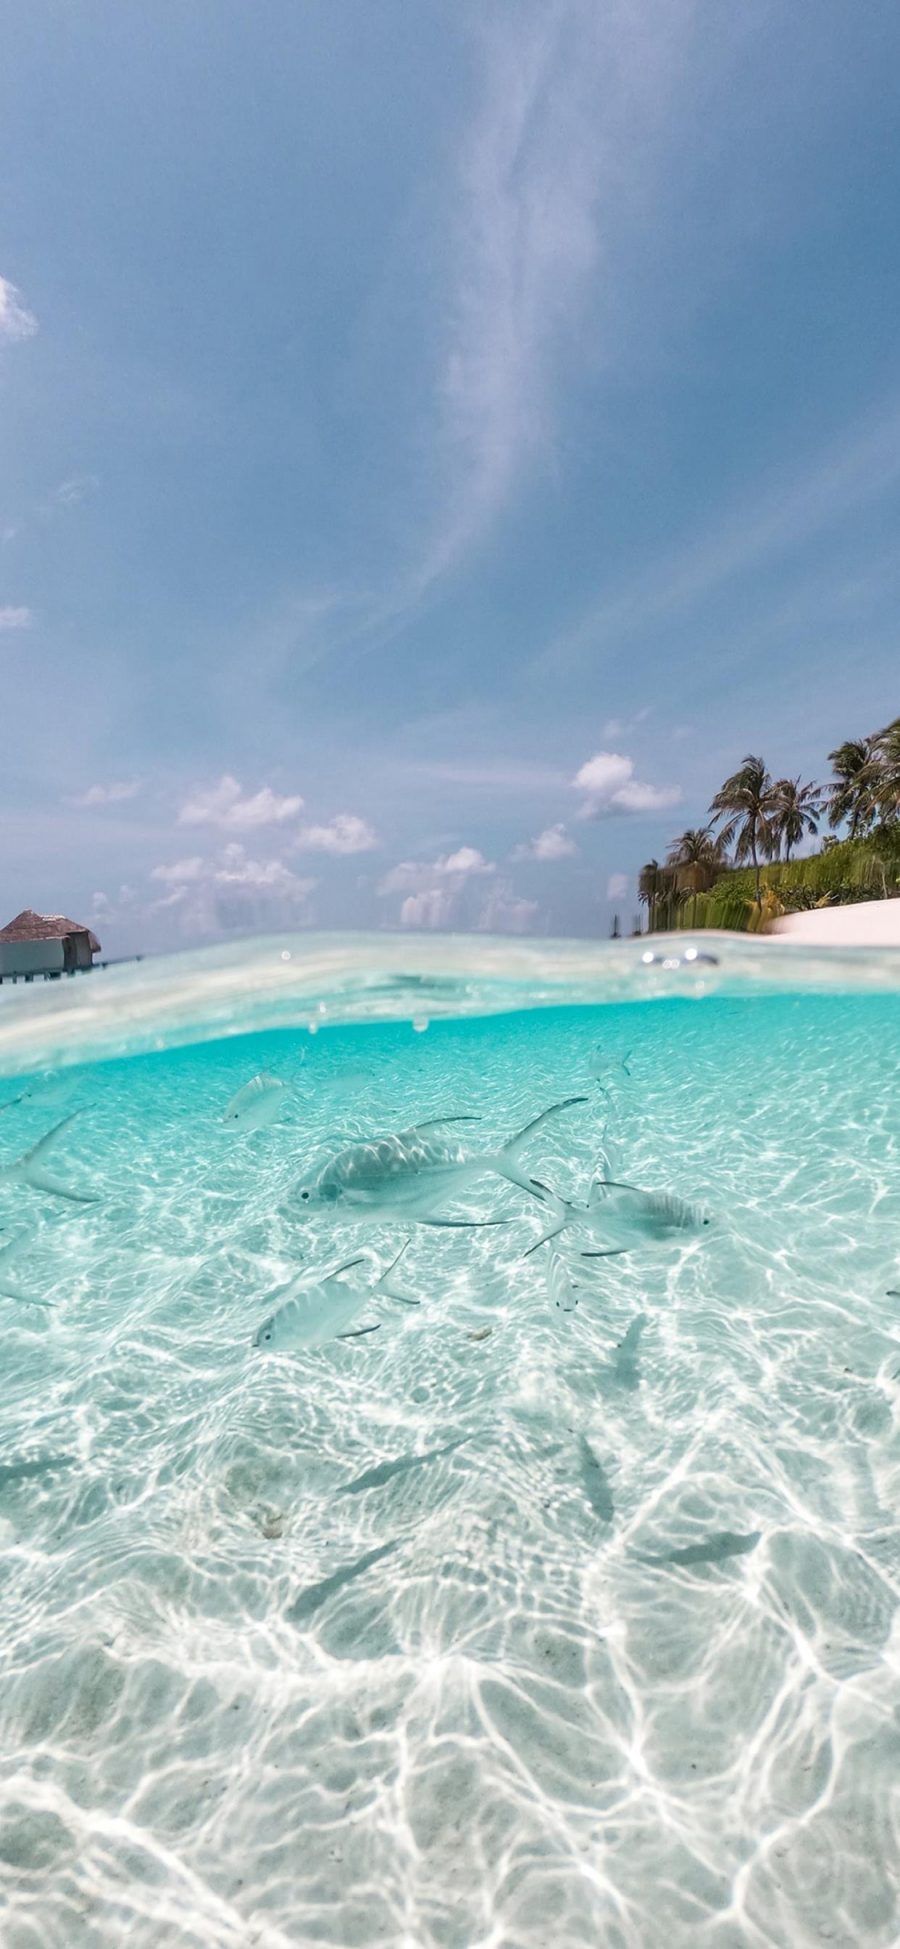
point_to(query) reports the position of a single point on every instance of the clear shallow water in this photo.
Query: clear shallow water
(620, 1664)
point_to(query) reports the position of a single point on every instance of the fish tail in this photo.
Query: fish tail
(30, 1168)
(506, 1161)
(381, 1285)
(560, 1209)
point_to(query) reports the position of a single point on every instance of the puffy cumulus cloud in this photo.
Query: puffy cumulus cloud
(234, 869)
(182, 872)
(225, 805)
(343, 834)
(419, 876)
(553, 843)
(610, 788)
(617, 886)
(504, 912)
(115, 794)
(14, 616)
(16, 321)
(432, 908)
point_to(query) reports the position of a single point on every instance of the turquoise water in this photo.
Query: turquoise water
(613, 1657)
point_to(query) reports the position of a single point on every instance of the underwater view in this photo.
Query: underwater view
(450, 1449)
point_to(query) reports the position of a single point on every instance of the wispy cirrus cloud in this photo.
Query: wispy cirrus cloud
(609, 788)
(15, 616)
(226, 805)
(552, 844)
(571, 99)
(16, 321)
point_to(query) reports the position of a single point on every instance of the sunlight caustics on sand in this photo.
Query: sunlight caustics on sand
(561, 1607)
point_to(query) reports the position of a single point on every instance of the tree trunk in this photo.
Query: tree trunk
(756, 872)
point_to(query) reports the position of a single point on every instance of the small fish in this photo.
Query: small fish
(594, 1482)
(256, 1105)
(622, 1216)
(314, 1596)
(383, 1472)
(893, 1292)
(560, 1286)
(30, 1168)
(624, 1366)
(40, 1465)
(480, 1333)
(723, 1543)
(406, 1174)
(314, 1311)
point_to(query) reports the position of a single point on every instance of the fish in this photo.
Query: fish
(622, 1216)
(256, 1105)
(375, 1478)
(405, 1174)
(480, 1333)
(560, 1286)
(312, 1312)
(9, 1285)
(723, 1543)
(29, 1169)
(594, 1482)
(40, 1465)
(314, 1596)
(624, 1366)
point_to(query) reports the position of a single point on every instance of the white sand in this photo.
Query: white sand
(870, 923)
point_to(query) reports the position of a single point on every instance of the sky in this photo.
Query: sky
(437, 442)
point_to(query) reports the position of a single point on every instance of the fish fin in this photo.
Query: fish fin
(359, 1332)
(464, 1224)
(435, 1123)
(506, 1158)
(561, 1209)
(380, 1286)
(347, 1266)
(613, 1252)
(29, 1169)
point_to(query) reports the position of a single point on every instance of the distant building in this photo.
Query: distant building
(44, 944)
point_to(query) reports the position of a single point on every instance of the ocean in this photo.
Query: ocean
(559, 1609)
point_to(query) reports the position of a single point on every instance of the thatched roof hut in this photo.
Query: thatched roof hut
(45, 944)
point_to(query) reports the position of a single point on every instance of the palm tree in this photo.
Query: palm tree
(748, 806)
(696, 859)
(886, 783)
(655, 885)
(798, 812)
(852, 796)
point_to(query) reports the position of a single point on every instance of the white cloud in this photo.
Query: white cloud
(504, 913)
(70, 492)
(467, 860)
(15, 618)
(432, 908)
(419, 876)
(609, 786)
(551, 844)
(114, 794)
(226, 806)
(16, 322)
(182, 872)
(617, 886)
(345, 833)
(262, 876)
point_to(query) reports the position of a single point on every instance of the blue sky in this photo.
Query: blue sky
(437, 442)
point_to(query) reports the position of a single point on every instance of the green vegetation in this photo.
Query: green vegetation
(744, 875)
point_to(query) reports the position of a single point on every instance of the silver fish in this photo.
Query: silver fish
(622, 1216)
(594, 1482)
(560, 1286)
(625, 1365)
(408, 1173)
(375, 1478)
(312, 1313)
(30, 1168)
(256, 1105)
(721, 1544)
(314, 1596)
